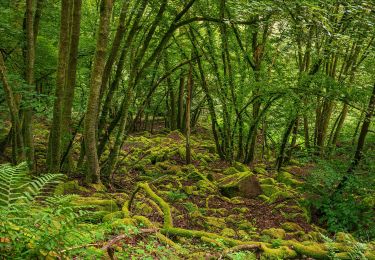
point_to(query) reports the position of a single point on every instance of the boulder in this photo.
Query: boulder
(243, 184)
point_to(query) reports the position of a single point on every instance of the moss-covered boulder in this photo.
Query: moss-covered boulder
(243, 184)
(70, 187)
(282, 252)
(215, 222)
(287, 179)
(277, 233)
(228, 232)
(291, 227)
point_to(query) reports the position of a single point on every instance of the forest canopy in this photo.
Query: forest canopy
(241, 127)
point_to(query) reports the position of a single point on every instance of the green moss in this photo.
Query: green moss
(269, 181)
(215, 222)
(243, 184)
(287, 178)
(189, 189)
(344, 237)
(269, 189)
(228, 232)
(230, 171)
(291, 227)
(240, 167)
(274, 233)
(113, 215)
(144, 208)
(96, 203)
(70, 187)
(260, 170)
(310, 249)
(206, 187)
(283, 252)
(246, 226)
(243, 234)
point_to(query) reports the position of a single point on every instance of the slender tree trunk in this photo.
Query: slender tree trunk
(54, 151)
(115, 46)
(284, 143)
(30, 62)
(340, 124)
(364, 130)
(17, 142)
(188, 109)
(180, 111)
(93, 169)
(71, 80)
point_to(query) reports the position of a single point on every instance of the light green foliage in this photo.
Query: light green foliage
(17, 186)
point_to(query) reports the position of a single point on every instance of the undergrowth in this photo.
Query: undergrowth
(352, 209)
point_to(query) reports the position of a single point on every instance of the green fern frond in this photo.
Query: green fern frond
(17, 186)
(13, 181)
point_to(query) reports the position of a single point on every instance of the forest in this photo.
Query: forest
(187, 129)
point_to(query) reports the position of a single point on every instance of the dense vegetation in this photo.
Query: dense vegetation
(228, 129)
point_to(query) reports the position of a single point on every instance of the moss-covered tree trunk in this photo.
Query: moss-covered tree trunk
(93, 169)
(54, 146)
(188, 111)
(71, 81)
(17, 141)
(27, 126)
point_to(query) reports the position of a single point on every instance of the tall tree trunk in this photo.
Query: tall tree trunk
(30, 62)
(340, 124)
(180, 111)
(115, 46)
(364, 130)
(71, 80)
(54, 147)
(280, 158)
(93, 169)
(17, 142)
(188, 109)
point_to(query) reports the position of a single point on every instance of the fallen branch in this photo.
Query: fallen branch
(123, 236)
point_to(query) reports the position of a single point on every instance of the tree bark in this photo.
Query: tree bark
(71, 79)
(54, 151)
(18, 152)
(93, 169)
(188, 108)
(364, 130)
(30, 62)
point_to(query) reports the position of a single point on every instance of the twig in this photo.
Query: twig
(122, 236)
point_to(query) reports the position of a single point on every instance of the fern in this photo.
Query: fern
(17, 186)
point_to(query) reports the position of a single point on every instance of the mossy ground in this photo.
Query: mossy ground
(202, 223)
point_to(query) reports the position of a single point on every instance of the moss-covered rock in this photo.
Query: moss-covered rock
(243, 184)
(70, 187)
(228, 232)
(269, 181)
(282, 252)
(269, 189)
(287, 179)
(274, 233)
(240, 167)
(215, 222)
(291, 227)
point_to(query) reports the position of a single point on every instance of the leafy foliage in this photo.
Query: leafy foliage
(17, 186)
(350, 210)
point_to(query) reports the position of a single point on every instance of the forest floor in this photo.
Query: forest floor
(157, 207)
